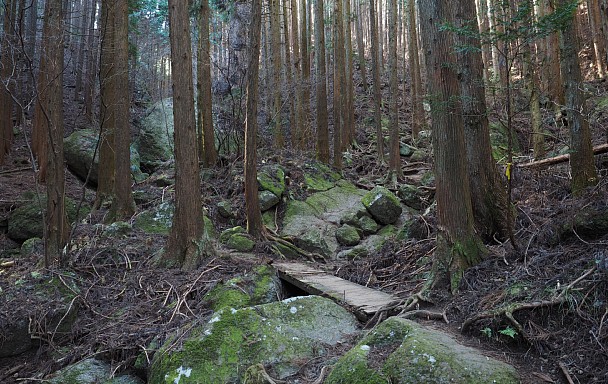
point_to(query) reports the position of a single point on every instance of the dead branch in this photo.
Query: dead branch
(561, 158)
(564, 369)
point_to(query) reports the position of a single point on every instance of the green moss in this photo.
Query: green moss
(258, 287)
(227, 234)
(354, 369)
(240, 242)
(272, 178)
(157, 220)
(347, 235)
(319, 177)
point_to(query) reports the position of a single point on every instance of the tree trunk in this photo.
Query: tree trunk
(109, 95)
(207, 151)
(552, 78)
(298, 125)
(57, 226)
(418, 118)
(123, 205)
(360, 46)
(339, 84)
(582, 164)
(458, 246)
(252, 204)
(599, 44)
(394, 163)
(6, 102)
(275, 77)
(305, 79)
(82, 35)
(321, 85)
(349, 131)
(186, 244)
(488, 196)
(376, 81)
(289, 75)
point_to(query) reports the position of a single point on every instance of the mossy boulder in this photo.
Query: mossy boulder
(224, 208)
(383, 205)
(347, 235)
(154, 141)
(354, 253)
(319, 177)
(367, 225)
(409, 353)
(312, 223)
(21, 327)
(260, 286)
(78, 151)
(282, 336)
(412, 196)
(267, 200)
(91, 371)
(26, 221)
(240, 242)
(271, 177)
(32, 247)
(159, 219)
(406, 150)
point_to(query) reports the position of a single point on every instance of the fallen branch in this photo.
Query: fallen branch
(561, 158)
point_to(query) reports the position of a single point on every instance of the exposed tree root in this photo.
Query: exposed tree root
(408, 309)
(312, 256)
(512, 308)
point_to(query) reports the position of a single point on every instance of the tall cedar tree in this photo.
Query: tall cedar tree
(376, 81)
(339, 84)
(321, 84)
(207, 151)
(186, 244)
(416, 88)
(275, 77)
(123, 205)
(582, 163)
(394, 161)
(6, 103)
(488, 195)
(57, 226)
(458, 245)
(252, 204)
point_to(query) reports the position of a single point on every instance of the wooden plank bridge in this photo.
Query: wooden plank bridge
(363, 301)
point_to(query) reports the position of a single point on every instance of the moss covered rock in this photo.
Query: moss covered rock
(271, 178)
(347, 235)
(240, 242)
(91, 371)
(32, 247)
(261, 286)
(267, 200)
(26, 221)
(319, 177)
(383, 205)
(79, 149)
(282, 336)
(409, 353)
(159, 219)
(154, 141)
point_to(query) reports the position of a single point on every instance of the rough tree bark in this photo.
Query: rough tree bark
(458, 245)
(321, 85)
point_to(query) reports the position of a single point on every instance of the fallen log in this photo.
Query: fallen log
(561, 158)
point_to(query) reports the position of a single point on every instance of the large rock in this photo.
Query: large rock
(271, 177)
(313, 223)
(267, 200)
(91, 371)
(21, 329)
(319, 177)
(409, 353)
(26, 221)
(383, 205)
(78, 151)
(155, 140)
(158, 220)
(282, 336)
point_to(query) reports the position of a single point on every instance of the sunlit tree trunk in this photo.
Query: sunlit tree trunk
(207, 151)
(458, 245)
(252, 205)
(186, 245)
(582, 166)
(599, 42)
(376, 81)
(321, 85)
(57, 226)
(394, 163)
(552, 76)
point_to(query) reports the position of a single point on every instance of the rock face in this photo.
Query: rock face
(383, 205)
(280, 335)
(412, 354)
(236, 238)
(26, 221)
(347, 235)
(155, 140)
(91, 371)
(79, 149)
(18, 327)
(267, 200)
(271, 178)
(160, 218)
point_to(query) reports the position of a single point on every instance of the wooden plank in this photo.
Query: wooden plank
(363, 301)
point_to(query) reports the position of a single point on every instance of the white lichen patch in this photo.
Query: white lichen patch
(430, 358)
(365, 347)
(181, 371)
(293, 310)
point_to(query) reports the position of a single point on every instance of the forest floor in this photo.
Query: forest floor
(542, 307)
